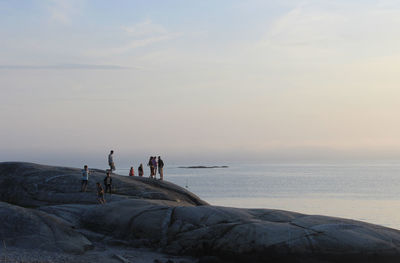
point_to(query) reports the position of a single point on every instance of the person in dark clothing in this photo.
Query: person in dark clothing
(150, 164)
(155, 166)
(140, 169)
(108, 182)
(160, 168)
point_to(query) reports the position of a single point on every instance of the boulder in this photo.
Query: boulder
(29, 228)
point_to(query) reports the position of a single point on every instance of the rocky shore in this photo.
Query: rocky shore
(45, 218)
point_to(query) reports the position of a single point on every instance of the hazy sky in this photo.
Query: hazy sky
(198, 81)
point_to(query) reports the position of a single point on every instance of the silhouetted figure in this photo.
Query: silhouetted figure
(131, 172)
(155, 166)
(85, 178)
(151, 165)
(140, 170)
(108, 182)
(100, 194)
(111, 161)
(160, 168)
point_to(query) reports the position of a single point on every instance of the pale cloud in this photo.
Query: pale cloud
(330, 35)
(140, 35)
(145, 29)
(137, 43)
(62, 11)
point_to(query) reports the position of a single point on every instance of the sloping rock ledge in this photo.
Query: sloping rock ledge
(41, 207)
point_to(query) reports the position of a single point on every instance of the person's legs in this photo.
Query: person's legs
(160, 170)
(108, 187)
(84, 185)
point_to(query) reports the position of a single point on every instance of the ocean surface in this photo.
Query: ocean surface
(369, 193)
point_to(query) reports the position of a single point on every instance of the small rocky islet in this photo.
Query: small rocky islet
(42, 209)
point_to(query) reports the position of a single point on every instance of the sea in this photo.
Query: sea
(365, 192)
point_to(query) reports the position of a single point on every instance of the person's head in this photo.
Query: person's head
(98, 184)
(85, 167)
(131, 167)
(159, 157)
(111, 152)
(108, 174)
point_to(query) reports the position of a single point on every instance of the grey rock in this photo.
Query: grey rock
(28, 228)
(33, 185)
(165, 217)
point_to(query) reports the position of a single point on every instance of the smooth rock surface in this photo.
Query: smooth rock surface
(33, 185)
(167, 218)
(28, 228)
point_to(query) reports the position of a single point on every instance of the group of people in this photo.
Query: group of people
(153, 164)
(100, 190)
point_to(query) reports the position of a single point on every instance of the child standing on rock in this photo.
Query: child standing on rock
(100, 194)
(108, 182)
(85, 178)
(131, 172)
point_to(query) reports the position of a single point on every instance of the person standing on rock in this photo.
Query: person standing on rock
(85, 178)
(155, 166)
(108, 182)
(140, 170)
(160, 168)
(150, 164)
(111, 161)
(131, 172)
(100, 194)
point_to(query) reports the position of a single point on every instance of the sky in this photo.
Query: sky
(199, 81)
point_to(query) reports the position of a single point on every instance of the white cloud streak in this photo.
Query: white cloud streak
(140, 35)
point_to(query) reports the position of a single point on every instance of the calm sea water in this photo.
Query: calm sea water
(368, 193)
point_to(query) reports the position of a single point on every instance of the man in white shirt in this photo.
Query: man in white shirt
(111, 161)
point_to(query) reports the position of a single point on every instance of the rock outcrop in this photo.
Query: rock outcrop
(33, 185)
(165, 217)
(29, 228)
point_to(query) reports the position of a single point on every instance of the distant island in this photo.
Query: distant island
(203, 166)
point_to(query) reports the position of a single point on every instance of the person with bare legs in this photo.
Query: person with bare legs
(111, 161)
(100, 194)
(108, 182)
(85, 178)
(155, 166)
(160, 168)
